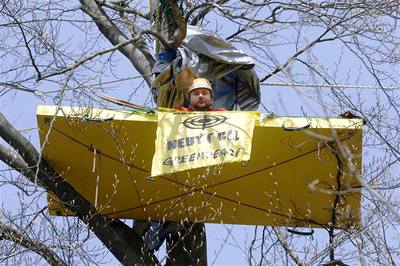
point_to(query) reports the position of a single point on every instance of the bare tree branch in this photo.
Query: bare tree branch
(8, 233)
(139, 57)
(88, 58)
(122, 241)
(205, 9)
(286, 247)
(15, 161)
(289, 61)
(39, 75)
(120, 8)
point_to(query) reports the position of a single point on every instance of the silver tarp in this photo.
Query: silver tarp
(236, 84)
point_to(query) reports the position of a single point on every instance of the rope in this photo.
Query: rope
(332, 86)
(134, 108)
(284, 83)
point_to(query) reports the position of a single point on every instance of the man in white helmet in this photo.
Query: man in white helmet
(200, 96)
(187, 236)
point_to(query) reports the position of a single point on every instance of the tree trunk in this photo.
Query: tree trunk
(188, 246)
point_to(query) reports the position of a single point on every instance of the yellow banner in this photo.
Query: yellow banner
(199, 139)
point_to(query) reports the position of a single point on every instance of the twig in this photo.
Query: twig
(8, 233)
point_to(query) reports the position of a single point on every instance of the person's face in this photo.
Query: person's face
(200, 99)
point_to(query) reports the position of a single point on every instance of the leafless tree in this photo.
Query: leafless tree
(329, 57)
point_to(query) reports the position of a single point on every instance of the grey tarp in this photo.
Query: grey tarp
(230, 71)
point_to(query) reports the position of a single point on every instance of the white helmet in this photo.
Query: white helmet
(200, 83)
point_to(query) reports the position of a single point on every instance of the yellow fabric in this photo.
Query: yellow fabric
(290, 179)
(200, 139)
